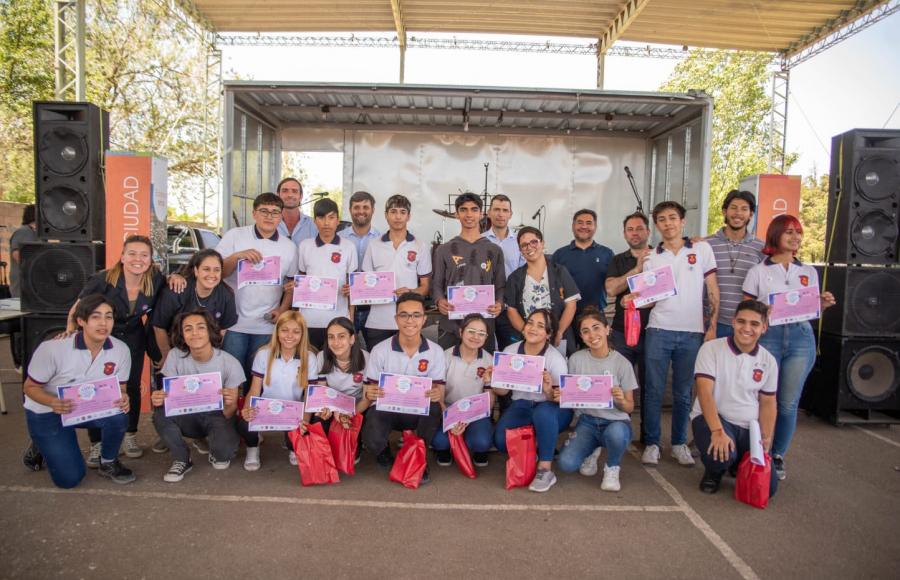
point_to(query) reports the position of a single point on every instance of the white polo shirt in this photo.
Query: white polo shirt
(691, 266)
(67, 361)
(769, 277)
(554, 362)
(350, 384)
(334, 260)
(253, 302)
(465, 379)
(740, 378)
(388, 357)
(283, 376)
(409, 262)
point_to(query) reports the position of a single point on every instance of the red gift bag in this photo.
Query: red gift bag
(521, 466)
(410, 463)
(752, 485)
(461, 454)
(343, 443)
(632, 325)
(314, 456)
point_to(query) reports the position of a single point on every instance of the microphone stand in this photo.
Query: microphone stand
(640, 205)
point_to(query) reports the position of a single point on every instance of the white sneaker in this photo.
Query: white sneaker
(131, 448)
(218, 464)
(589, 465)
(683, 454)
(610, 479)
(251, 462)
(651, 455)
(292, 457)
(93, 460)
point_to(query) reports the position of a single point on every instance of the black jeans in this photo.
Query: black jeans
(635, 355)
(741, 438)
(376, 335)
(318, 337)
(360, 316)
(222, 433)
(132, 389)
(377, 427)
(505, 331)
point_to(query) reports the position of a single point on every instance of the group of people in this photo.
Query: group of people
(713, 332)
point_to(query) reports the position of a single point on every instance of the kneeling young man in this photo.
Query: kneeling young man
(197, 343)
(411, 354)
(736, 383)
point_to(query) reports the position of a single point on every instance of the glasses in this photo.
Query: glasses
(532, 244)
(478, 333)
(269, 212)
(417, 316)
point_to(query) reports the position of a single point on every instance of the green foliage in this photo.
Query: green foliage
(813, 216)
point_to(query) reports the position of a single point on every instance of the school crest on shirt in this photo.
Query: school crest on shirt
(423, 365)
(804, 280)
(692, 258)
(757, 375)
(480, 372)
(411, 256)
(336, 257)
(357, 377)
(109, 368)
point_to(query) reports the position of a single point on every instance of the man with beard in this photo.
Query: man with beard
(586, 260)
(362, 208)
(500, 213)
(736, 251)
(294, 224)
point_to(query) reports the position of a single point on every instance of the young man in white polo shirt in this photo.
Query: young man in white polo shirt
(327, 256)
(411, 354)
(258, 306)
(736, 383)
(408, 257)
(675, 331)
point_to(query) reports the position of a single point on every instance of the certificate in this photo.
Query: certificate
(518, 372)
(585, 392)
(320, 397)
(467, 410)
(275, 415)
(654, 285)
(404, 394)
(264, 273)
(315, 292)
(469, 299)
(93, 400)
(372, 288)
(794, 306)
(193, 394)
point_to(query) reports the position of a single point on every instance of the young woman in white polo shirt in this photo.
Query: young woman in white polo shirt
(281, 370)
(793, 344)
(467, 364)
(538, 409)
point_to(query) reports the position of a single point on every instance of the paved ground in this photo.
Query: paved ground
(836, 516)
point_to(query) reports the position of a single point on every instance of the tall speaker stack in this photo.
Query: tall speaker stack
(70, 202)
(856, 378)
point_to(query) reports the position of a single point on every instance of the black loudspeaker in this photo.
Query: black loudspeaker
(854, 381)
(36, 328)
(53, 274)
(868, 301)
(70, 198)
(865, 174)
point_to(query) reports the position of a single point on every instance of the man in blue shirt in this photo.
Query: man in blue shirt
(362, 208)
(500, 213)
(294, 224)
(586, 260)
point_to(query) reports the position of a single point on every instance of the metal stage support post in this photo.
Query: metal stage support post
(68, 49)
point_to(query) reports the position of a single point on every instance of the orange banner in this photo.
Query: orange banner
(775, 195)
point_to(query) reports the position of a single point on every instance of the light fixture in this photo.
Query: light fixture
(325, 111)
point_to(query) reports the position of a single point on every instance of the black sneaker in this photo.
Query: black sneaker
(444, 457)
(778, 464)
(425, 477)
(732, 469)
(480, 459)
(32, 458)
(177, 471)
(115, 471)
(710, 482)
(385, 459)
(358, 449)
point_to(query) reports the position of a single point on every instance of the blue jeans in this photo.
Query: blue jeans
(59, 445)
(243, 347)
(723, 330)
(478, 437)
(590, 433)
(741, 438)
(679, 348)
(794, 349)
(548, 420)
(634, 355)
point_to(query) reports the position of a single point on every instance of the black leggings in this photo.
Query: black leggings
(132, 389)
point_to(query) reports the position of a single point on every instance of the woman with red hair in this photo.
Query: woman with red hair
(792, 344)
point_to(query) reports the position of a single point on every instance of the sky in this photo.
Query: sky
(854, 84)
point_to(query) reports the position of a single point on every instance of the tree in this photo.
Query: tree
(737, 81)
(813, 216)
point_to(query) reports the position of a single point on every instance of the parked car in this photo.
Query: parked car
(183, 241)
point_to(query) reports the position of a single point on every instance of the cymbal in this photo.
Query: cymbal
(444, 213)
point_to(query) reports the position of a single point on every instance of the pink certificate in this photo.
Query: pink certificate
(469, 299)
(518, 372)
(193, 394)
(264, 273)
(404, 394)
(585, 391)
(315, 292)
(372, 288)
(275, 414)
(467, 410)
(93, 400)
(794, 306)
(321, 397)
(654, 285)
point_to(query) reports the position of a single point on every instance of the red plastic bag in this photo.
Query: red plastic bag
(410, 463)
(344, 442)
(632, 325)
(521, 466)
(461, 454)
(314, 456)
(752, 485)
